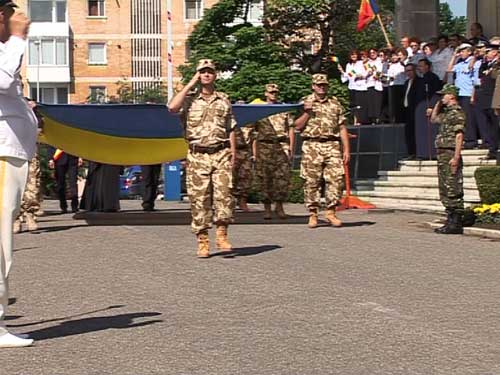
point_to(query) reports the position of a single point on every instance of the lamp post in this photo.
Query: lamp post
(38, 49)
(170, 90)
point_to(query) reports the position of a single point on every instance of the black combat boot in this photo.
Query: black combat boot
(446, 223)
(455, 226)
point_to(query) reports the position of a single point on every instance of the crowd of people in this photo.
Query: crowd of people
(398, 85)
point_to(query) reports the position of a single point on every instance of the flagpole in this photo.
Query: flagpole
(384, 31)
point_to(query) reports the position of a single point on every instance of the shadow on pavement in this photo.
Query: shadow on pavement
(247, 251)
(101, 323)
(56, 228)
(12, 301)
(25, 248)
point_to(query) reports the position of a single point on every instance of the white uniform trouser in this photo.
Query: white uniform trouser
(13, 175)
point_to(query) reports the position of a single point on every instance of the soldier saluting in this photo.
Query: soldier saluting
(451, 119)
(324, 151)
(208, 128)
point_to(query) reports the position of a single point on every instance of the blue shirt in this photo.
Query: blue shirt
(464, 77)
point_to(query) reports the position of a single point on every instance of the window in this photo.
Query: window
(47, 10)
(97, 94)
(97, 53)
(50, 95)
(193, 9)
(256, 10)
(96, 8)
(53, 51)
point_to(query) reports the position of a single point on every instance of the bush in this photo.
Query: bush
(488, 213)
(488, 184)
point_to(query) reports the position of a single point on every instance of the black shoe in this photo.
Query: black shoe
(410, 157)
(75, 210)
(454, 226)
(64, 210)
(148, 207)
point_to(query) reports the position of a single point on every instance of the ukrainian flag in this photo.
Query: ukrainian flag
(367, 13)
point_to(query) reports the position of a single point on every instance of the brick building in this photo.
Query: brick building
(80, 49)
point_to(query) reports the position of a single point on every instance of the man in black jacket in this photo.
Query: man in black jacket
(150, 179)
(409, 106)
(63, 164)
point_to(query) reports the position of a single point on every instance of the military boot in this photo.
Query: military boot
(221, 238)
(243, 204)
(446, 223)
(332, 219)
(268, 214)
(313, 219)
(280, 211)
(17, 226)
(455, 226)
(203, 245)
(31, 222)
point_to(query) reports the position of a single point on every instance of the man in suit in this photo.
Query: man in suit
(63, 164)
(409, 105)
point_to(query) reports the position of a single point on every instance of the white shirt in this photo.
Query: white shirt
(397, 74)
(410, 84)
(374, 79)
(350, 74)
(18, 123)
(440, 61)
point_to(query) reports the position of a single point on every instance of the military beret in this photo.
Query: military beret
(449, 89)
(320, 79)
(205, 63)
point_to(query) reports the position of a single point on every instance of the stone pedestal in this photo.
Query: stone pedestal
(417, 18)
(487, 13)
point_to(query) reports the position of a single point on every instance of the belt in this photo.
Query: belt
(243, 147)
(273, 141)
(209, 149)
(322, 140)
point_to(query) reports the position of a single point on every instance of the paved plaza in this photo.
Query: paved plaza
(383, 295)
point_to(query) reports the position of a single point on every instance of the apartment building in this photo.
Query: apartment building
(79, 49)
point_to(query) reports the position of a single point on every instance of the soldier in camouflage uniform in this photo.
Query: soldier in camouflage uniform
(275, 138)
(32, 198)
(242, 171)
(324, 151)
(451, 119)
(208, 128)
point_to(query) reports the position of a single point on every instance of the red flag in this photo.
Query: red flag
(367, 11)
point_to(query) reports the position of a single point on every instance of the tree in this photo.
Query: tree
(448, 23)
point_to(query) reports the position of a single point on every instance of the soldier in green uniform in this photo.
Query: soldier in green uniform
(324, 151)
(449, 140)
(275, 138)
(208, 128)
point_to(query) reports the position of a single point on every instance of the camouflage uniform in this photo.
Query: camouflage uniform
(207, 125)
(272, 160)
(322, 152)
(451, 193)
(32, 197)
(242, 170)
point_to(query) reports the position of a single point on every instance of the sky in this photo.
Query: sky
(458, 7)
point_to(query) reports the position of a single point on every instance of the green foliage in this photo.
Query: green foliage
(448, 23)
(488, 184)
(295, 194)
(156, 93)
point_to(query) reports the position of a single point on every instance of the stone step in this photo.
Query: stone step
(411, 173)
(467, 169)
(376, 184)
(419, 179)
(408, 196)
(410, 205)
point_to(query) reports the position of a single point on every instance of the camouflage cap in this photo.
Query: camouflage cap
(449, 89)
(320, 79)
(272, 87)
(205, 63)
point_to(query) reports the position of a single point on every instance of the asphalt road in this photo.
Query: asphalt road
(380, 296)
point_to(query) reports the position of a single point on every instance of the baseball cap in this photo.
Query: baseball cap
(320, 79)
(5, 3)
(272, 87)
(448, 88)
(205, 63)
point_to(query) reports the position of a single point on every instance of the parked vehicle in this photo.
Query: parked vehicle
(131, 183)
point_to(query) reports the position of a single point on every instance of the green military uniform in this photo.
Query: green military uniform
(452, 120)
(207, 125)
(242, 170)
(321, 150)
(273, 157)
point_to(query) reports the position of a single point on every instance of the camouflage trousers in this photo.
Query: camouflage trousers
(32, 197)
(272, 170)
(242, 173)
(322, 160)
(451, 189)
(209, 186)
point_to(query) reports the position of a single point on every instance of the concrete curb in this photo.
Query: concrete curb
(471, 231)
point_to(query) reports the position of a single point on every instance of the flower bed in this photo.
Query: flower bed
(488, 214)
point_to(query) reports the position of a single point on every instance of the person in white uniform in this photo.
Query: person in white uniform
(18, 134)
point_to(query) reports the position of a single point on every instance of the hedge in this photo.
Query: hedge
(488, 184)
